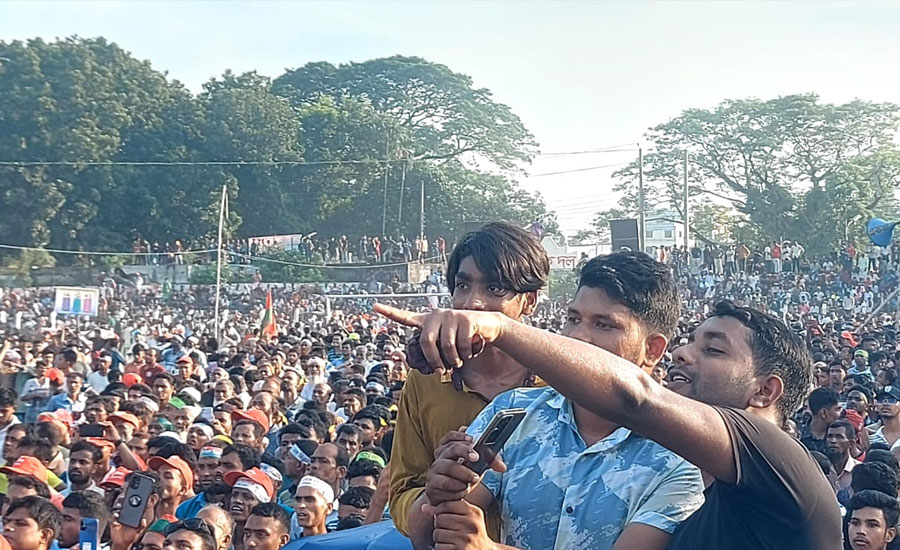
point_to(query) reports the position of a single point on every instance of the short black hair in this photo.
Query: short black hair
(248, 456)
(508, 255)
(207, 537)
(358, 497)
(363, 467)
(165, 376)
(876, 499)
(643, 285)
(41, 449)
(28, 482)
(41, 510)
(849, 429)
(870, 397)
(775, 351)
(275, 511)
(258, 430)
(8, 397)
(175, 448)
(377, 413)
(885, 456)
(95, 450)
(91, 505)
(350, 522)
(105, 401)
(348, 428)
(876, 476)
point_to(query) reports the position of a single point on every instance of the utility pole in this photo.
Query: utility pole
(687, 218)
(387, 166)
(422, 210)
(640, 198)
(223, 207)
(400, 208)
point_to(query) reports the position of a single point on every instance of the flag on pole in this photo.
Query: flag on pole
(268, 325)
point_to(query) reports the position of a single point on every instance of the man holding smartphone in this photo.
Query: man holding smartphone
(574, 479)
(742, 374)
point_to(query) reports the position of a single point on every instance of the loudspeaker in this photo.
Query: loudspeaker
(624, 234)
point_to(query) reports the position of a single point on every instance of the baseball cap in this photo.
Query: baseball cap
(56, 375)
(131, 379)
(254, 415)
(254, 480)
(185, 359)
(861, 353)
(156, 462)
(115, 478)
(27, 466)
(126, 417)
(892, 391)
(177, 402)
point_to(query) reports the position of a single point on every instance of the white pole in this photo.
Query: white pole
(219, 258)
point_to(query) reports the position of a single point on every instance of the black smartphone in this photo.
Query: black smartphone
(90, 430)
(138, 492)
(494, 437)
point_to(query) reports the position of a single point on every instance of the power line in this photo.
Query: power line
(251, 258)
(588, 169)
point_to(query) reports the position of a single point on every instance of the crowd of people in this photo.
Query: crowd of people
(685, 402)
(313, 248)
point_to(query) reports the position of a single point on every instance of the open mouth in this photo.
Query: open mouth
(678, 376)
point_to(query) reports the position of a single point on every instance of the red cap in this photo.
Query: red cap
(56, 375)
(254, 415)
(96, 354)
(102, 443)
(256, 476)
(184, 359)
(115, 478)
(27, 466)
(131, 379)
(60, 415)
(156, 462)
(126, 417)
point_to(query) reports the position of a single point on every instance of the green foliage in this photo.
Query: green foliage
(790, 167)
(206, 275)
(24, 261)
(406, 122)
(280, 268)
(563, 284)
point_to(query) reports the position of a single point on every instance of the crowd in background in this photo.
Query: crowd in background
(313, 248)
(300, 415)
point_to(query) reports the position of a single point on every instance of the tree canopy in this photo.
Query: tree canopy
(785, 168)
(334, 149)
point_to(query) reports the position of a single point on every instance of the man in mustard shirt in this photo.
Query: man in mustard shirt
(497, 268)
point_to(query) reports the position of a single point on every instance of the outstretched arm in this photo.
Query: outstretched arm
(605, 384)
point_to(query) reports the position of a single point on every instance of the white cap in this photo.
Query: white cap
(318, 485)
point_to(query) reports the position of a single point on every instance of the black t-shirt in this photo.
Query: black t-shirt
(780, 499)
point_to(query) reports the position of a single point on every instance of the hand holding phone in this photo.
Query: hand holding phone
(460, 463)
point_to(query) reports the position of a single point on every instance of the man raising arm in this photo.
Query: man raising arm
(736, 381)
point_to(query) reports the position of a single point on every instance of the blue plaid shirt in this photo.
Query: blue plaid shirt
(559, 493)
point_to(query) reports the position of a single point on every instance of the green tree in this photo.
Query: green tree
(790, 167)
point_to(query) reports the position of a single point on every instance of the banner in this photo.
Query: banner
(76, 301)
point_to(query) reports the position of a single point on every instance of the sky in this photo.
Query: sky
(580, 75)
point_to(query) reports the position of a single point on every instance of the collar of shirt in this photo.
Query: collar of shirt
(566, 415)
